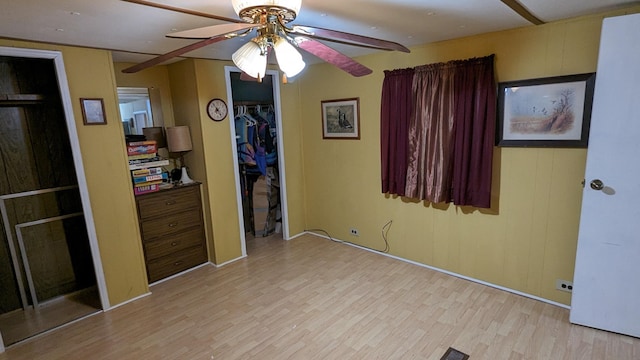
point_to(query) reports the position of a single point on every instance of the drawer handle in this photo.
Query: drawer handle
(173, 225)
(174, 243)
(177, 263)
(172, 202)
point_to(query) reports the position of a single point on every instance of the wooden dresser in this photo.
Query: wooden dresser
(172, 230)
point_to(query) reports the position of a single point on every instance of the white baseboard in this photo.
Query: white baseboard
(298, 235)
(229, 262)
(445, 271)
(178, 274)
(127, 301)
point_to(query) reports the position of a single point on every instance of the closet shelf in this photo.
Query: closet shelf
(250, 103)
(21, 99)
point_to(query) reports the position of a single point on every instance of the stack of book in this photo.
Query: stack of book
(146, 166)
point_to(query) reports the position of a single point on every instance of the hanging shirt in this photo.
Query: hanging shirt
(245, 139)
(260, 144)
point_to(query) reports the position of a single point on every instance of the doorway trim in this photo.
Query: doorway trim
(280, 146)
(65, 97)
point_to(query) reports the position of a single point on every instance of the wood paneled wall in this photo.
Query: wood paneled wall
(35, 153)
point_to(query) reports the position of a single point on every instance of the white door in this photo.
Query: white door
(606, 291)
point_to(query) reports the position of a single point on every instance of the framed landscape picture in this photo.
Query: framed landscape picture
(547, 112)
(341, 119)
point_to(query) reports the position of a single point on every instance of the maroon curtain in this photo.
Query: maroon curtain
(396, 107)
(475, 93)
(431, 134)
(437, 132)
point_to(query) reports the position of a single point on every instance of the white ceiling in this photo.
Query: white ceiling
(135, 32)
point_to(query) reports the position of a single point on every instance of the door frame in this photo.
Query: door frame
(65, 96)
(280, 146)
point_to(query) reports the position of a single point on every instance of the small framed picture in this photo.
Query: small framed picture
(547, 112)
(93, 111)
(341, 119)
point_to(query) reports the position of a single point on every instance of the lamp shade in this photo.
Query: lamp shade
(293, 5)
(179, 139)
(155, 133)
(250, 59)
(289, 59)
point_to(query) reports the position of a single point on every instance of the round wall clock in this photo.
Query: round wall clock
(217, 109)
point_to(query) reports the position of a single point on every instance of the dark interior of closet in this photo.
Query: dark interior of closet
(256, 140)
(45, 256)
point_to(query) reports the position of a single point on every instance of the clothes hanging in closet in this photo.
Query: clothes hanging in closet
(256, 142)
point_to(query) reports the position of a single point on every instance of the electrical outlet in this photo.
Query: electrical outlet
(564, 285)
(354, 232)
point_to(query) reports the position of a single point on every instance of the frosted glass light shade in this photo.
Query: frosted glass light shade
(179, 139)
(249, 58)
(293, 5)
(289, 59)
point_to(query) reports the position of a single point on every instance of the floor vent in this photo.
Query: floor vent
(453, 354)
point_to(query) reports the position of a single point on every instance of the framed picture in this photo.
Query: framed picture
(341, 119)
(547, 112)
(93, 111)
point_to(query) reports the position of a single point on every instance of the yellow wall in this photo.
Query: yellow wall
(293, 118)
(194, 83)
(90, 74)
(528, 240)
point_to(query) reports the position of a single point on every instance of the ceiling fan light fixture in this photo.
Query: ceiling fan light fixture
(251, 59)
(289, 59)
(243, 7)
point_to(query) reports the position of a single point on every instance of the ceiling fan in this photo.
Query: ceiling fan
(270, 19)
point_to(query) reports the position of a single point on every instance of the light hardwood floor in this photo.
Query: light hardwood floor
(19, 325)
(311, 298)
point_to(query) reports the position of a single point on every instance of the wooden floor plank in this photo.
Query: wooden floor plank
(311, 298)
(22, 324)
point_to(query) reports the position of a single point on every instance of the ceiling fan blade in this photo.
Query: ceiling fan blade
(211, 31)
(516, 6)
(332, 56)
(351, 39)
(184, 11)
(162, 58)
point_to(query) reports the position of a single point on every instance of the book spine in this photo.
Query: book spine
(141, 149)
(140, 164)
(138, 143)
(146, 172)
(148, 178)
(142, 156)
(142, 161)
(139, 190)
(147, 183)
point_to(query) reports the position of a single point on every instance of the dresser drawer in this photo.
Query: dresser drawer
(172, 230)
(176, 262)
(168, 202)
(170, 244)
(174, 223)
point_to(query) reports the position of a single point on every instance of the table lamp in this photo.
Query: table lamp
(179, 142)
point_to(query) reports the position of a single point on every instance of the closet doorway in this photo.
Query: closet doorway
(256, 131)
(50, 270)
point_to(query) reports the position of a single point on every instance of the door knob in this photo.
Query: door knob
(597, 184)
